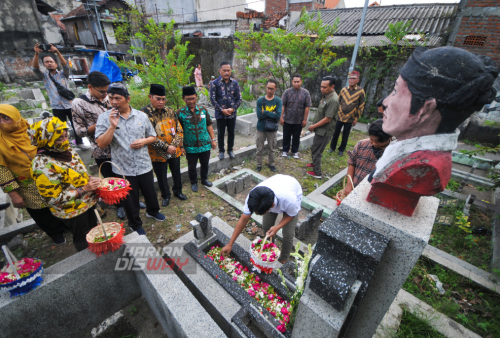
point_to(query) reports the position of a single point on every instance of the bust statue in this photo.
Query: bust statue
(436, 91)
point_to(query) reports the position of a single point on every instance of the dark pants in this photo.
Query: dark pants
(80, 227)
(291, 132)
(64, 115)
(192, 159)
(221, 129)
(49, 223)
(161, 168)
(345, 135)
(317, 148)
(106, 170)
(145, 183)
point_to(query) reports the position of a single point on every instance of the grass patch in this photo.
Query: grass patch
(245, 111)
(412, 326)
(474, 249)
(332, 192)
(474, 307)
(453, 185)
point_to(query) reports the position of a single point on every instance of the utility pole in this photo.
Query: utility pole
(358, 40)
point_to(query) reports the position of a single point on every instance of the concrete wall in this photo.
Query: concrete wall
(18, 25)
(210, 29)
(65, 6)
(51, 30)
(206, 9)
(183, 10)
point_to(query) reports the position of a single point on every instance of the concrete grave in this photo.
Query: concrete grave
(309, 224)
(247, 181)
(239, 187)
(230, 187)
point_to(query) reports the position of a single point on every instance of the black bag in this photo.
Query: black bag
(271, 125)
(64, 92)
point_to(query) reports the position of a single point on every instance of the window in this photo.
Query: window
(214, 34)
(474, 40)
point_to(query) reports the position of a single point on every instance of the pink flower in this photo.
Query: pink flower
(211, 258)
(116, 188)
(271, 259)
(111, 181)
(279, 298)
(286, 318)
(251, 293)
(264, 257)
(221, 258)
(273, 313)
(246, 269)
(281, 328)
(253, 245)
(238, 272)
(235, 278)
(257, 278)
(284, 310)
(270, 297)
(264, 291)
(260, 240)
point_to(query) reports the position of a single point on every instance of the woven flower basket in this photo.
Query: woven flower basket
(341, 194)
(99, 237)
(20, 285)
(112, 189)
(261, 265)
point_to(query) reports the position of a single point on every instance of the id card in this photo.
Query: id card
(173, 130)
(202, 116)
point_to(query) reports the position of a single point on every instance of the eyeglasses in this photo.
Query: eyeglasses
(102, 92)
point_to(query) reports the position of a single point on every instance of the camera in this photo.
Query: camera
(45, 47)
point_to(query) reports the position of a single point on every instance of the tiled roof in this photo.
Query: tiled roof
(427, 18)
(250, 14)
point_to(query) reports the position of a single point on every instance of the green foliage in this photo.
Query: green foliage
(452, 185)
(412, 326)
(138, 97)
(495, 124)
(245, 111)
(279, 54)
(481, 150)
(395, 33)
(462, 221)
(2, 87)
(245, 93)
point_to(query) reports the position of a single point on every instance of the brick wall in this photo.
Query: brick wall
(275, 6)
(481, 26)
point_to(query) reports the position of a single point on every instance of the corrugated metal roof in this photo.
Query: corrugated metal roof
(432, 19)
(379, 41)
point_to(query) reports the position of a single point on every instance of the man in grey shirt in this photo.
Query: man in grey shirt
(128, 132)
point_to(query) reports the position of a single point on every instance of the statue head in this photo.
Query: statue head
(437, 90)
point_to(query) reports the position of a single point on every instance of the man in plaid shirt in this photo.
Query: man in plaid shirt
(364, 157)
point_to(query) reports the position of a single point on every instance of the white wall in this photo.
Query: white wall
(219, 10)
(183, 10)
(225, 28)
(109, 32)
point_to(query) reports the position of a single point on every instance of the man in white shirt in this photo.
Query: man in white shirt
(276, 195)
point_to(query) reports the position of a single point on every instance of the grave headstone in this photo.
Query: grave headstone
(239, 185)
(230, 187)
(13, 99)
(468, 204)
(26, 94)
(443, 219)
(202, 227)
(309, 224)
(446, 202)
(38, 95)
(247, 181)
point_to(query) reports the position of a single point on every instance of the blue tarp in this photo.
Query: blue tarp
(103, 64)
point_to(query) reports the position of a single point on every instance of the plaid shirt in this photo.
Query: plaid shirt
(225, 95)
(363, 158)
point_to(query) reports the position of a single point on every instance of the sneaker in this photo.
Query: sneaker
(159, 217)
(296, 156)
(310, 165)
(58, 239)
(141, 231)
(313, 174)
(284, 154)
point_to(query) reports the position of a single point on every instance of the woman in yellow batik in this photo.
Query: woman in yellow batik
(16, 154)
(62, 179)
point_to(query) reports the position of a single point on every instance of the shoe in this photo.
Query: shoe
(284, 154)
(120, 213)
(159, 217)
(206, 183)
(142, 205)
(296, 156)
(273, 168)
(258, 169)
(231, 154)
(181, 196)
(83, 146)
(194, 187)
(313, 174)
(4, 206)
(310, 165)
(58, 239)
(165, 202)
(221, 155)
(341, 153)
(330, 150)
(141, 231)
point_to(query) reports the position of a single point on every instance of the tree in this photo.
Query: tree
(279, 54)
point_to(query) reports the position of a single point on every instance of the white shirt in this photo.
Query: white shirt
(287, 195)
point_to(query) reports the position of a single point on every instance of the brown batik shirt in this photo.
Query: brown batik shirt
(295, 103)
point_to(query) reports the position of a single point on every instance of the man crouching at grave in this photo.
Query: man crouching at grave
(276, 195)
(128, 132)
(436, 91)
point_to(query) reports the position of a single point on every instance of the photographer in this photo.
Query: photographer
(56, 82)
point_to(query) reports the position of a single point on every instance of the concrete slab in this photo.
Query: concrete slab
(17, 228)
(318, 194)
(388, 328)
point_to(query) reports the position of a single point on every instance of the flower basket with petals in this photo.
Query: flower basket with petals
(112, 189)
(19, 277)
(264, 256)
(105, 237)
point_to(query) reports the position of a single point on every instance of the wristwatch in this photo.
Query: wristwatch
(213, 140)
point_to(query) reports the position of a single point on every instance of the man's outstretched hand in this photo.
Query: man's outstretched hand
(226, 250)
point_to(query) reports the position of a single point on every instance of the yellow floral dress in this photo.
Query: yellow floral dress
(57, 182)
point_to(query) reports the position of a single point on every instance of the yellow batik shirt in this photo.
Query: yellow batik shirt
(24, 186)
(57, 182)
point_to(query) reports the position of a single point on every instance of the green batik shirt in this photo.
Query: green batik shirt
(195, 126)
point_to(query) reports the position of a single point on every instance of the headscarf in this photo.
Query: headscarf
(45, 133)
(16, 151)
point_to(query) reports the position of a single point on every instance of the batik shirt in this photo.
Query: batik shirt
(85, 115)
(57, 182)
(352, 104)
(132, 162)
(225, 95)
(168, 132)
(61, 77)
(24, 186)
(295, 103)
(363, 158)
(195, 126)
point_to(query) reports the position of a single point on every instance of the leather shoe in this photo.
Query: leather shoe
(142, 205)
(331, 150)
(273, 168)
(258, 169)
(120, 213)
(181, 196)
(221, 155)
(165, 202)
(231, 154)
(341, 153)
(194, 187)
(207, 183)
(4, 206)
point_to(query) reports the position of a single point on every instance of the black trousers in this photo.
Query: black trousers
(221, 130)
(49, 223)
(345, 135)
(145, 183)
(192, 159)
(80, 227)
(161, 168)
(64, 115)
(291, 132)
(106, 169)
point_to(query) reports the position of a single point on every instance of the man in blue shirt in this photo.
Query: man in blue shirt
(226, 98)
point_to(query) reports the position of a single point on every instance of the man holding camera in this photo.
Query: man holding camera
(57, 84)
